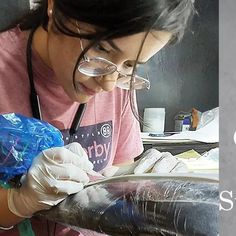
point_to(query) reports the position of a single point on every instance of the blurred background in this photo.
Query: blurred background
(186, 75)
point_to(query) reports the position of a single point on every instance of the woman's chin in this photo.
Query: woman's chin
(81, 98)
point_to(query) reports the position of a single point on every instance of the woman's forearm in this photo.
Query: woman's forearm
(7, 218)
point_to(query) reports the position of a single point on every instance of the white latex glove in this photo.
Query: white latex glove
(55, 173)
(149, 159)
(109, 171)
(73, 147)
(159, 162)
(167, 164)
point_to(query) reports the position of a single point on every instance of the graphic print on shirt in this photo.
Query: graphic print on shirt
(96, 141)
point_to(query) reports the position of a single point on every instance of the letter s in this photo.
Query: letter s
(226, 200)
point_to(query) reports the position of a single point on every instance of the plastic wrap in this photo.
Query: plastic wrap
(143, 205)
(22, 139)
(208, 116)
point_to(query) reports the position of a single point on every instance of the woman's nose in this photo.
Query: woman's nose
(108, 82)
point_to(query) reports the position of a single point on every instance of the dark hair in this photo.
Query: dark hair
(115, 18)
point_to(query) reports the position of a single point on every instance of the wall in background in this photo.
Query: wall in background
(186, 75)
(11, 11)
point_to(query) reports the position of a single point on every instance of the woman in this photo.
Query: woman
(66, 54)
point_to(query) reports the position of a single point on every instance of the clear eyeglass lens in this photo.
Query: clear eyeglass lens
(138, 82)
(96, 67)
(99, 66)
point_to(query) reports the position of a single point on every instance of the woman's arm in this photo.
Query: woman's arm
(7, 218)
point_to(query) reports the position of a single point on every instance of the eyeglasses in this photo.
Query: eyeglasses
(99, 66)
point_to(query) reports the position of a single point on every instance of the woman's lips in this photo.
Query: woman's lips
(86, 90)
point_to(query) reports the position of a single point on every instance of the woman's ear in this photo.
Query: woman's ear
(50, 8)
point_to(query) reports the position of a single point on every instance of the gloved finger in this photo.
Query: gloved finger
(51, 202)
(66, 172)
(67, 186)
(62, 189)
(180, 167)
(151, 156)
(76, 148)
(63, 155)
(109, 171)
(166, 163)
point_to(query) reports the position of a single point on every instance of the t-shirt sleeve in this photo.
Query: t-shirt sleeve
(129, 143)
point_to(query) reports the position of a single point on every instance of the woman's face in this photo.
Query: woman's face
(61, 53)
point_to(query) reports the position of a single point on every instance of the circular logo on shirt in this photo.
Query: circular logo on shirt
(106, 130)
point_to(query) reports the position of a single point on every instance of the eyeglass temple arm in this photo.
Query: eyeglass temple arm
(80, 41)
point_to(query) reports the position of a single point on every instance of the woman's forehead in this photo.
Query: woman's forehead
(152, 39)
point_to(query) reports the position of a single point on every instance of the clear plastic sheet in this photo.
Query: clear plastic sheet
(143, 205)
(22, 139)
(208, 116)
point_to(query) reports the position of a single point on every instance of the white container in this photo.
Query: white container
(154, 120)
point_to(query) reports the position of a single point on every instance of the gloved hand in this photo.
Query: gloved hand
(154, 161)
(54, 174)
(76, 149)
(169, 164)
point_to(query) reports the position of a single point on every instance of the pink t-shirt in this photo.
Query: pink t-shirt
(108, 132)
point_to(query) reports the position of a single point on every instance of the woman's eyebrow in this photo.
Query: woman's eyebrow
(113, 45)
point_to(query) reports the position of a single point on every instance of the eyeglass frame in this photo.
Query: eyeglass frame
(120, 74)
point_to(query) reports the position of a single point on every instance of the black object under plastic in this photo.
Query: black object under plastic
(143, 205)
